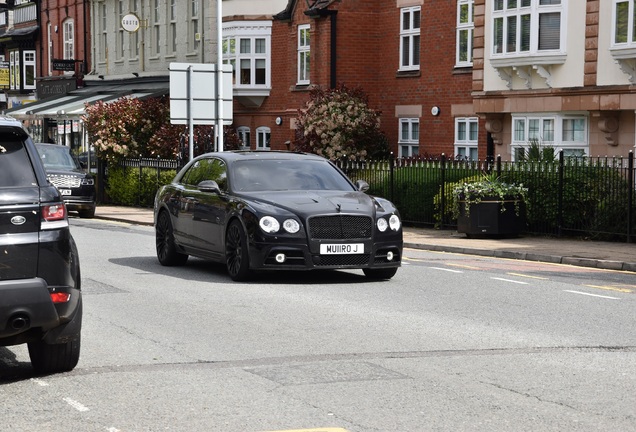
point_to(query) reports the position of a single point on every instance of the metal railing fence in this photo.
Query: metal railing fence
(574, 196)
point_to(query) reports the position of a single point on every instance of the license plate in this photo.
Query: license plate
(342, 249)
(65, 191)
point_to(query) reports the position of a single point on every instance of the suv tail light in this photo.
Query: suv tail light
(60, 297)
(54, 212)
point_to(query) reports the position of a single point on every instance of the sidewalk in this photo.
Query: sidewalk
(605, 255)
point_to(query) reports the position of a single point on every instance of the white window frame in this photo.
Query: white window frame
(194, 36)
(263, 138)
(49, 41)
(133, 38)
(14, 69)
(506, 15)
(156, 29)
(171, 42)
(408, 137)
(465, 30)
(465, 144)
(256, 33)
(304, 54)
(244, 135)
(103, 37)
(630, 36)
(119, 42)
(29, 62)
(68, 39)
(410, 38)
(521, 138)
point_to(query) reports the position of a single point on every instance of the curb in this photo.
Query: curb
(553, 259)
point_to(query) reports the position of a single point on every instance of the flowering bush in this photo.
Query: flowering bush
(338, 123)
(125, 127)
(130, 127)
(491, 187)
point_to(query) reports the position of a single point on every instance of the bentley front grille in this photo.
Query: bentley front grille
(340, 227)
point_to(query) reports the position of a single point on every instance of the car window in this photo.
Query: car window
(207, 169)
(276, 175)
(57, 158)
(15, 165)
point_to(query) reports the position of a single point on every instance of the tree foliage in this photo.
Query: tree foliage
(131, 127)
(339, 123)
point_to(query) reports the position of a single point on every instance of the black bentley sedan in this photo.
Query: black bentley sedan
(274, 210)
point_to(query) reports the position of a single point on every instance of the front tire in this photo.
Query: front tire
(380, 274)
(236, 253)
(167, 253)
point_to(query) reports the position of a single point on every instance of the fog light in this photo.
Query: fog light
(389, 256)
(280, 258)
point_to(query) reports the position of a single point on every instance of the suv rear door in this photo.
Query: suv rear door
(19, 211)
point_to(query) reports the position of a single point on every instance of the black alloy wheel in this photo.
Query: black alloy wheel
(166, 249)
(236, 252)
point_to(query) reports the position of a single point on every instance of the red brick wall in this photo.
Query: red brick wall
(56, 12)
(368, 56)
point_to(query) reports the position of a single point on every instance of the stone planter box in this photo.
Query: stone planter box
(486, 219)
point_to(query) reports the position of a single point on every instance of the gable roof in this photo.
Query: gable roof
(314, 6)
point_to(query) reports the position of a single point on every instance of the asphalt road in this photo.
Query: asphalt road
(452, 342)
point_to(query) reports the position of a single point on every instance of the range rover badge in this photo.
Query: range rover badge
(18, 220)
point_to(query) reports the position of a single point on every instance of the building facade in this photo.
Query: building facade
(556, 72)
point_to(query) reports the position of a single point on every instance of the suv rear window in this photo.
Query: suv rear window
(15, 166)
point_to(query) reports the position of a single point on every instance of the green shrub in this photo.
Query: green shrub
(125, 185)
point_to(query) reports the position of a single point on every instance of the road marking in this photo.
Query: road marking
(412, 259)
(510, 280)
(592, 295)
(609, 288)
(75, 404)
(313, 430)
(40, 382)
(447, 270)
(527, 276)
(464, 266)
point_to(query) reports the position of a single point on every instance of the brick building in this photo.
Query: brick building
(400, 52)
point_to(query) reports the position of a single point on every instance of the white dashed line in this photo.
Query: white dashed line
(510, 280)
(592, 295)
(447, 270)
(75, 404)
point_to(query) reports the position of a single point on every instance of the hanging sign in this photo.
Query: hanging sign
(130, 23)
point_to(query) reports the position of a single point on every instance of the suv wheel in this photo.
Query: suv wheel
(51, 358)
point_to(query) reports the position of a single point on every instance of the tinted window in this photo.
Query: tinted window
(57, 158)
(272, 175)
(15, 166)
(207, 169)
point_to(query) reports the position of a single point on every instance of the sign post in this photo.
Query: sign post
(194, 94)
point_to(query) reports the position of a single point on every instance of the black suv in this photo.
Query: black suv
(40, 297)
(65, 172)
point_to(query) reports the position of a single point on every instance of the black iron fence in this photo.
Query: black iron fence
(574, 196)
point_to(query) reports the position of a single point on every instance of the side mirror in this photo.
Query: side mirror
(362, 185)
(209, 186)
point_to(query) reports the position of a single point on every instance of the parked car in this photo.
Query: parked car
(40, 286)
(275, 211)
(65, 172)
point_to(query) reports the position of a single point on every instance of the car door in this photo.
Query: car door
(209, 208)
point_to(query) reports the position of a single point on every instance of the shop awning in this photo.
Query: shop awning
(73, 104)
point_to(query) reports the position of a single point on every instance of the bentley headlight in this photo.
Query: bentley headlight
(269, 224)
(291, 226)
(382, 224)
(394, 222)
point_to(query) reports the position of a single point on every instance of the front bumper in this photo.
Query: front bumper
(303, 255)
